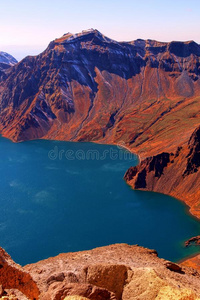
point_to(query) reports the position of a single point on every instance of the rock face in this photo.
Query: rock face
(116, 272)
(12, 276)
(87, 87)
(176, 174)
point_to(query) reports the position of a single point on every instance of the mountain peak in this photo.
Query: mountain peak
(88, 33)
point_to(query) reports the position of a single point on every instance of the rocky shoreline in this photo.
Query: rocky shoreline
(173, 173)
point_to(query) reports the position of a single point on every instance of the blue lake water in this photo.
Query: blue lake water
(59, 197)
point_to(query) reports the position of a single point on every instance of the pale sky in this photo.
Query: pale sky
(27, 27)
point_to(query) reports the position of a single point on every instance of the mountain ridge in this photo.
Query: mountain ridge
(126, 64)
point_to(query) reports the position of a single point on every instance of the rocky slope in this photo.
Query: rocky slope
(87, 87)
(174, 173)
(6, 61)
(116, 272)
(192, 262)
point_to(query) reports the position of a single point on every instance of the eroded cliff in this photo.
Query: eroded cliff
(175, 173)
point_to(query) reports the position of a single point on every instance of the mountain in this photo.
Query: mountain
(87, 87)
(6, 61)
(108, 273)
(142, 94)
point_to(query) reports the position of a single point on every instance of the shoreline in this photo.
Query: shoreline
(188, 258)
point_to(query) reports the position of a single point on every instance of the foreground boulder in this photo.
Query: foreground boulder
(116, 272)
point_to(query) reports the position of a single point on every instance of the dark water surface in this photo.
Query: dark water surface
(58, 197)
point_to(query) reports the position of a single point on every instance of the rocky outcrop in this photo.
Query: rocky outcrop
(13, 276)
(176, 174)
(116, 272)
(194, 240)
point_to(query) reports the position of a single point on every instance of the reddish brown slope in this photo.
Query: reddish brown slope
(192, 262)
(176, 174)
